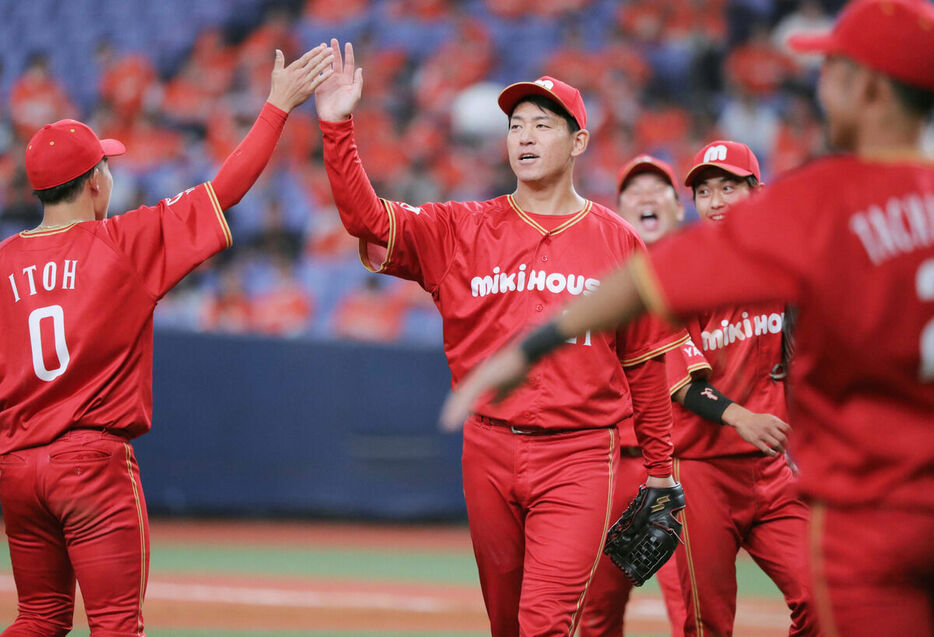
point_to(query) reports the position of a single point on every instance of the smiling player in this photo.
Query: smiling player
(849, 239)
(648, 199)
(539, 468)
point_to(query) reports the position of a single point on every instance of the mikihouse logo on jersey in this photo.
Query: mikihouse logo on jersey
(527, 280)
(729, 333)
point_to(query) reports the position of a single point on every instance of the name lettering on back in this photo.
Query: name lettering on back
(48, 277)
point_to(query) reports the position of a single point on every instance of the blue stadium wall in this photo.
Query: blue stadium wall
(255, 426)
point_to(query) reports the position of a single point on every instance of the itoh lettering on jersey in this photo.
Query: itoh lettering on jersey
(47, 277)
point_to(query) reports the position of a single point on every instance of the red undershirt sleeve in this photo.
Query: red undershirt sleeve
(651, 407)
(244, 165)
(363, 214)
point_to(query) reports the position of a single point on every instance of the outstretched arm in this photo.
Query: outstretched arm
(291, 85)
(361, 211)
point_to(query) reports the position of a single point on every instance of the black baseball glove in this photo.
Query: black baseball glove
(647, 534)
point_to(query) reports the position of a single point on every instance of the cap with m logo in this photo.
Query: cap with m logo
(733, 157)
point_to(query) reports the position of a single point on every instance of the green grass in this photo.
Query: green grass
(413, 566)
(452, 567)
(442, 567)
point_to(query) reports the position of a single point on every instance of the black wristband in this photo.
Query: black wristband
(703, 399)
(542, 341)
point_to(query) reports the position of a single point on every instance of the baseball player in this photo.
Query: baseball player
(648, 199)
(538, 469)
(849, 239)
(76, 354)
(723, 426)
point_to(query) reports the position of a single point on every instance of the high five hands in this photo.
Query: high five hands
(293, 84)
(338, 95)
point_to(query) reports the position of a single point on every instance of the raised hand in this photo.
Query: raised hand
(295, 83)
(339, 94)
(502, 372)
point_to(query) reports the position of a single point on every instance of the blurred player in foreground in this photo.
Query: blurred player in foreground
(538, 469)
(648, 199)
(76, 355)
(849, 239)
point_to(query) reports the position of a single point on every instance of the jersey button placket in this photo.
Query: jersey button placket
(546, 240)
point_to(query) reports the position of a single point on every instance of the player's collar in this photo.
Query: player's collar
(899, 155)
(43, 230)
(527, 217)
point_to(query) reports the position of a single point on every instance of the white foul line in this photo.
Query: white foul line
(259, 596)
(638, 609)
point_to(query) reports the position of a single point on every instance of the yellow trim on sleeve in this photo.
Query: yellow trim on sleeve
(678, 385)
(658, 351)
(696, 367)
(221, 217)
(647, 285)
(689, 377)
(390, 242)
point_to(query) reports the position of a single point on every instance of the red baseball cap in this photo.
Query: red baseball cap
(733, 157)
(59, 152)
(564, 94)
(645, 164)
(895, 37)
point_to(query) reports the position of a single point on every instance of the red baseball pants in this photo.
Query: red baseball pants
(609, 590)
(741, 502)
(75, 509)
(538, 507)
(873, 571)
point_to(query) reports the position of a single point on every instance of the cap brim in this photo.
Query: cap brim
(112, 147)
(511, 95)
(807, 43)
(644, 167)
(736, 171)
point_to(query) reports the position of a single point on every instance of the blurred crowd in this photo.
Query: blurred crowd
(658, 76)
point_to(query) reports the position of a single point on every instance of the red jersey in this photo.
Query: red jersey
(76, 309)
(494, 272)
(851, 243)
(683, 365)
(740, 346)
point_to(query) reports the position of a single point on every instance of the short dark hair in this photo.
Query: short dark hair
(551, 106)
(917, 101)
(66, 192)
